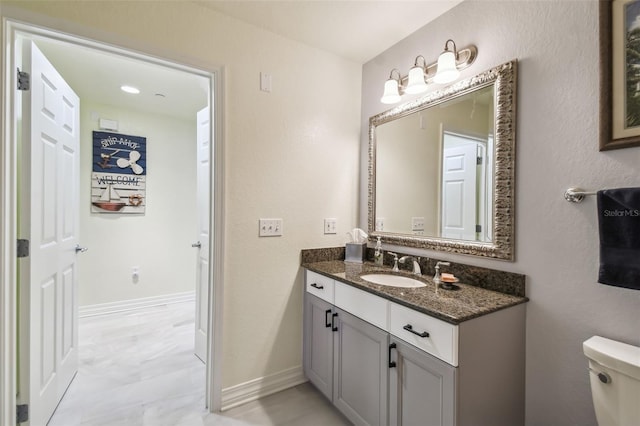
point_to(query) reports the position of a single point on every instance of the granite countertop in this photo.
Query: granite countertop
(453, 306)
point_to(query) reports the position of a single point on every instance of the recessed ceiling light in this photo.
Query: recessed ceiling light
(130, 89)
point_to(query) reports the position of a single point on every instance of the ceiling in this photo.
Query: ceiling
(97, 76)
(353, 29)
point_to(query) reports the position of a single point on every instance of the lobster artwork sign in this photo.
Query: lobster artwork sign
(119, 173)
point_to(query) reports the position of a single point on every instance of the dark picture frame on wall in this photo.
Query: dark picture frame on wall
(619, 22)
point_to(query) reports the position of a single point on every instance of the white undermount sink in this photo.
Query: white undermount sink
(393, 280)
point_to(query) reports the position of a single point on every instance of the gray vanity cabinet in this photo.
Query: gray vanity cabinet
(421, 387)
(345, 358)
(411, 368)
(359, 370)
(318, 343)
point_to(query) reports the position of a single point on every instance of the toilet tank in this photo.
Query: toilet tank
(614, 370)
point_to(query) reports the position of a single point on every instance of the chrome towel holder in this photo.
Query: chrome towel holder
(576, 195)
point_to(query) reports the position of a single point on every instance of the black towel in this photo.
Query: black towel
(619, 223)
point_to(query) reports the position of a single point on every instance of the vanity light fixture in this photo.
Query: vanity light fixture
(444, 71)
(392, 89)
(447, 70)
(416, 83)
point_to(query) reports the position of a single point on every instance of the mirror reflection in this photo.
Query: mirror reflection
(434, 170)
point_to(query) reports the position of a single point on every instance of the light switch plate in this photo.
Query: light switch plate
(265, 82)
(270, 227)
(330, 225)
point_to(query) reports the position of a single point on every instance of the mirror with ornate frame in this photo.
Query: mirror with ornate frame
(441, 168)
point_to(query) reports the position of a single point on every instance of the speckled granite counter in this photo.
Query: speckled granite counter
(452, 306)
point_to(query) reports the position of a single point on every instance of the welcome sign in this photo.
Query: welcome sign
(118, 178)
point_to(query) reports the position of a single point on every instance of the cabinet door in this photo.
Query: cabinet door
(318, 343)
(421, 388)
(360, 375)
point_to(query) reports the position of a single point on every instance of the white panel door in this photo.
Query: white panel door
(459, 192)
(203, 135)
(49, 188)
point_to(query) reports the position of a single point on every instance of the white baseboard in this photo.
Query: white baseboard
(260, 387)
(128, 305)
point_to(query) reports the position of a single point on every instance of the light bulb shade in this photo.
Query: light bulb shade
(416, 83)
(447, 70)
(391, 94)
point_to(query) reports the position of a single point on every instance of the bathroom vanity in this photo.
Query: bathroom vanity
(413, 356)
(427, 356)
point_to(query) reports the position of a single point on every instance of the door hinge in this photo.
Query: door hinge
(478, 228)
(23, 248)
(24, 80)
(22, 413)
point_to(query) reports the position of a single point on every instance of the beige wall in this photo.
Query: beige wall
(407, 169)
(556, 44)
(158, 242)
(292, 153)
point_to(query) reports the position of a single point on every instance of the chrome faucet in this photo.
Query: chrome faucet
(436, 277)
(395, 261)
(416, 265)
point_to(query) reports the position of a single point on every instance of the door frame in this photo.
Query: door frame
(34, 25)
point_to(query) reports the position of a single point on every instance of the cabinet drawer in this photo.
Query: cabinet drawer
(366, 306)
(320, 286)
(413, 327)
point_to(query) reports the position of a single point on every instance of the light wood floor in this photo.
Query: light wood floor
(138, 368)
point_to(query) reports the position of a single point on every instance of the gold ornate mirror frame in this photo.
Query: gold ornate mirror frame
(503, 78)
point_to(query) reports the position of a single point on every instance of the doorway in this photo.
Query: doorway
(10, 206)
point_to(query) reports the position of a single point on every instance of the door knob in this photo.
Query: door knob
(81, 249)
(197, 244)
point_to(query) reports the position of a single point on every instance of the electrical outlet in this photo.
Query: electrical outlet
(379, 224)
(270, 227)
(135, 274)
(417, 224)
(330, 225)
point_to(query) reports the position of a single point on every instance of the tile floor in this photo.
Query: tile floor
(137, 368)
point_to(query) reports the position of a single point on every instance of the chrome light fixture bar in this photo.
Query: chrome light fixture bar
(444, 71)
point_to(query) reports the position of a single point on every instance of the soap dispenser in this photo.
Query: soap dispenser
(378, 257)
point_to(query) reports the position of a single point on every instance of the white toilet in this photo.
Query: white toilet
(614, 370)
